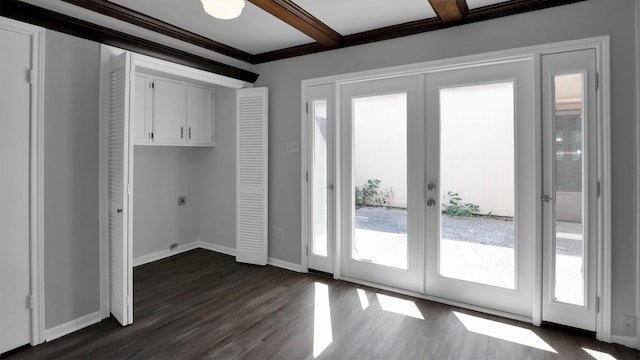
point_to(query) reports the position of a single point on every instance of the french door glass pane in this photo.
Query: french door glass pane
(569, 244)
(477, 177)
(380, 179)
(320, 230)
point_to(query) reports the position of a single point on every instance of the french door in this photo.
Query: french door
(480, 193)
(569, 189)
(439, 184)
(382, 170)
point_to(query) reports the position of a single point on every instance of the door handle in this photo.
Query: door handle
(431, 203)
(431, 187)
(546, 198)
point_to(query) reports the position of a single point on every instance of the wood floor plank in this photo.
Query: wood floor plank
(204, 305)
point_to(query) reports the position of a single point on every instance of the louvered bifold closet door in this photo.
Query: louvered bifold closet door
(251, 176)
(120, 273)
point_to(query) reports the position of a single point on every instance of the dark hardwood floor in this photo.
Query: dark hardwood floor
(204, 305)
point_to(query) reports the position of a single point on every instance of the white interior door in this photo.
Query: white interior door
(120, 149)
(15, 273)
(480, 216)
(569, 188)
(381, 175)
(320, 183)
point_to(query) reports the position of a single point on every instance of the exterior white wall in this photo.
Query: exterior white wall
(477, 146)
(580, 20)
(380, 142)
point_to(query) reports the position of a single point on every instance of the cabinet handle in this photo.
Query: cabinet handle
(181, 132)
(189, 132)
(152, 136)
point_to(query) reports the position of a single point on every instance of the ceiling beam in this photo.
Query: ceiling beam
(294, 15)
(131, 16)
(450, 10)
(488, 12)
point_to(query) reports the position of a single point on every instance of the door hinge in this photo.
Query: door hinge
(307, 176)
(30, 302)
(597, 81)
(307, 249)
(597, 304)
(598, 189)
(30, 76)
(307, 107)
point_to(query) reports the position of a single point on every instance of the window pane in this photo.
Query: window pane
(380, 179)
(477, 177)
(569, 244)
(320, 230)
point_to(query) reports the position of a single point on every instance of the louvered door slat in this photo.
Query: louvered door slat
(252, 179)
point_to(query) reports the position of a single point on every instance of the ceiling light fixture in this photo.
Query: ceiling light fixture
(223, 9)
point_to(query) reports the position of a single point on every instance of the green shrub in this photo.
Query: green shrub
(456, 207)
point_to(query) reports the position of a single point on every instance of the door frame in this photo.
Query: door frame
(36, 172)
(603, 238)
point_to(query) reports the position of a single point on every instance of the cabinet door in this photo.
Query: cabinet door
(143, 110)
(169, 112)
(200, 116)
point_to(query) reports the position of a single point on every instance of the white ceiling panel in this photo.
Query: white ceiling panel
(255, 31)
(354, 16)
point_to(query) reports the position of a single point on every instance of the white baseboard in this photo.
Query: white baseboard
(73, 325)
(629, 341)
(217, 248)
(285, 264)
(145, 259)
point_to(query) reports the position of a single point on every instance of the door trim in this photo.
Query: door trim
(601, 46)
(637, 34)
(36, 172)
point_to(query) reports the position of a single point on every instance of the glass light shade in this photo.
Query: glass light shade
(223, 9)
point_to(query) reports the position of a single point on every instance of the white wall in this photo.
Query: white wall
(161, 175)
(575, 21)
(71, 191)
(218, 178)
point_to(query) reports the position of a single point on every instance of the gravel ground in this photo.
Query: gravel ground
(495, 231)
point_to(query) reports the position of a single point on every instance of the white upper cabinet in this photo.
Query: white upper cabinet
(169, 118)
(200, 116)
(143, 110)
(173, 113)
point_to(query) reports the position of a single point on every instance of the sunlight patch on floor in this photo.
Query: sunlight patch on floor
(364, 302)
(399, 306)
(322, 332)
(502, 331)
(599, 355)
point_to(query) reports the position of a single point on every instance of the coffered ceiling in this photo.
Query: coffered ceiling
(266, 30)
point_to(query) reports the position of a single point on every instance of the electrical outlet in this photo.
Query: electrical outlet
(182, 200)
(628, 324)
(293, 147)
(280, 234)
